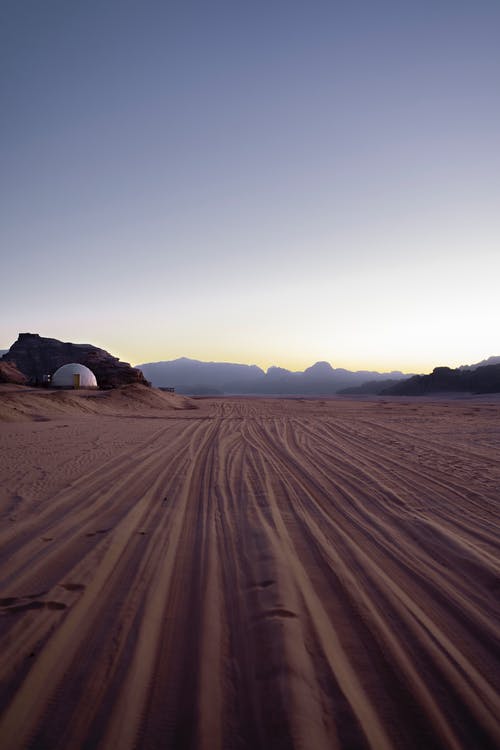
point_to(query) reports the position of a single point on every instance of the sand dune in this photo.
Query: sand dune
(249, 574)
(20, 402)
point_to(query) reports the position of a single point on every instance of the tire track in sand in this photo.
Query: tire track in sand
(256, 577)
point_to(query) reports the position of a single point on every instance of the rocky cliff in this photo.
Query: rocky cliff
(36, 356)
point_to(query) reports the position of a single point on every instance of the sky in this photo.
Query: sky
(272, 183)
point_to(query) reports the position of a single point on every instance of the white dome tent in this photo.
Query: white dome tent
(74, 375)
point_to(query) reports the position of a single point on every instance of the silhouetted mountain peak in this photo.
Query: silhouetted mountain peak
(274, 371)
(442, 370)
(319, 370)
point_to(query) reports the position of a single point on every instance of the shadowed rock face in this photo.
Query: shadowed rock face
(36, 356)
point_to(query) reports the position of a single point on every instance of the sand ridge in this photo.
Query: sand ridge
(252, 573)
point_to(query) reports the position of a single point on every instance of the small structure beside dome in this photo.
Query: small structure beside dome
(74, 375)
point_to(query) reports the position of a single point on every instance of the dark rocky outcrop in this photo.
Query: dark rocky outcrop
(10, 374)
(444, 379)
(36, 357)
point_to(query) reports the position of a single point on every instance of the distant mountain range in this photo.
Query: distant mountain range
(194, 377)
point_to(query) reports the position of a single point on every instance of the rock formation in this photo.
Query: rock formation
(10, 374)
(36, 357)
(444, 379)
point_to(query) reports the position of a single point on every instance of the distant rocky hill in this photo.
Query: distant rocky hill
(481, 379)
(441, 379)
(36, 356)
(495, 360)
(204, 378)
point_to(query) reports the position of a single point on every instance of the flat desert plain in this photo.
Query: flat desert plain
(248, 573)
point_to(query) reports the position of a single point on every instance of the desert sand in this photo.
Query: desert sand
(248, 573)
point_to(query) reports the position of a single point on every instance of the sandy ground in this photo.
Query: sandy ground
(248, 574)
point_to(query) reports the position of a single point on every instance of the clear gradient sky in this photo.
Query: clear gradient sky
(264, 182)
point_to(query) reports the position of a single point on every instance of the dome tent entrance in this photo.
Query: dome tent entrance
(74, 375)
